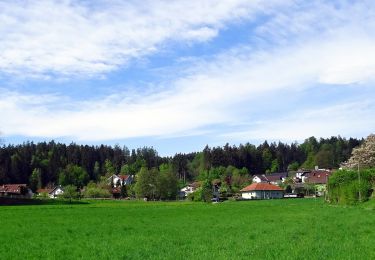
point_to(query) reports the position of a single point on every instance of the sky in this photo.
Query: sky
(178, 75)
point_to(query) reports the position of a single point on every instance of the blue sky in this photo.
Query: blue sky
(178, 75)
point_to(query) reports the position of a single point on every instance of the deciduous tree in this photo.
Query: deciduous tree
(73, 175)
(70, 192)
(167, 182)
(36, 179)
(364, 155)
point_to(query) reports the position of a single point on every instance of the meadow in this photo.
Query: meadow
(273, 229)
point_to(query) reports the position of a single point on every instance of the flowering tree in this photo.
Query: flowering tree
(363, 156)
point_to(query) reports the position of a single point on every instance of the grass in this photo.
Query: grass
(23, 202)
(370, 204)
(274, 229)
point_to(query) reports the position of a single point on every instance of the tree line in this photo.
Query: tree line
(49, 163)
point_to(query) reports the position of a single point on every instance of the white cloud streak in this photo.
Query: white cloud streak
(353, 119)
(39, 38)
(342, 53)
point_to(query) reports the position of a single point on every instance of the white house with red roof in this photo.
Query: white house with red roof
(15, 191)
(53, 192)
(120, 180)
(262, 191)
(185, 191)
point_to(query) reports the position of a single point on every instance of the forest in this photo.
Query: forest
(49, 163)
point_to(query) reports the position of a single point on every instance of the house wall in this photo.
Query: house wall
(56, 193)
(262, 194)
(257, 179)
(247, 195)
(187, 189)
(115, 181)
(184, 192)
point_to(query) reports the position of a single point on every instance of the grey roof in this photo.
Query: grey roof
(277, 176)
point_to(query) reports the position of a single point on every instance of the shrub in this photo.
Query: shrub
(43, 195)
(96, 192)
(344, 186)
(196, 195)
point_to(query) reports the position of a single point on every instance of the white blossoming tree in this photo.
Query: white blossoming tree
(363, 156)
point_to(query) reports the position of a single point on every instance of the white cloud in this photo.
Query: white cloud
(353, 119)
(90, 38)
(199, 100)
(210, 92)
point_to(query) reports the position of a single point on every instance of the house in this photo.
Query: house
(44, 192)
(318, 177)
(313, 182)
(259, 178)
(15, 191)
(262, 191)
(274, 178)
(185, 191)
(300, 173)
(120, 180)
(188, 189)
(52, 193)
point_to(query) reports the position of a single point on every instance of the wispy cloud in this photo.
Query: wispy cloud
(351, 119)
(295, 49)
(60, 38)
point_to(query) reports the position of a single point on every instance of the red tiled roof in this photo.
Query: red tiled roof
(318, 177)
(44, 190)
(12, 188)
(261, 186)
(123, 177)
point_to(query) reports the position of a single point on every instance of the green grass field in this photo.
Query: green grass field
(274, 229)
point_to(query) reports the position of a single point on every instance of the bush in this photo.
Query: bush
(344, 186)
(43, 195)
(196, 195)
(96, 192)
